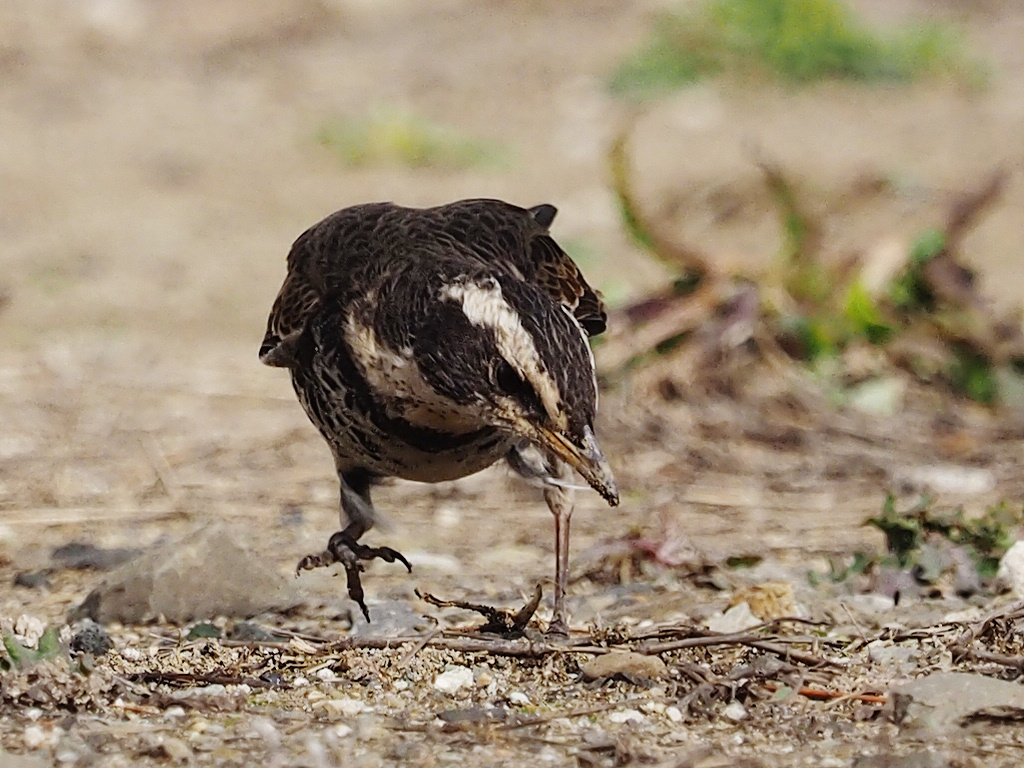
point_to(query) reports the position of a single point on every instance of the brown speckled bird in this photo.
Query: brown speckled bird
(429, 343)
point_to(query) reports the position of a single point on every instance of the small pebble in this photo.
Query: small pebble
(887, 654)
(266, 730)
(447, 517)
(400, 685)
(299, 682)
(736, 619)
(519, 698)
(453, 679)
(342, 731)
(34, 737)
(28, 630)
(734, 711)
(176, 749)
(343, 705)
(674, 714)
(872, 604)
(1011, 569)
(249, 632)
(626, 716)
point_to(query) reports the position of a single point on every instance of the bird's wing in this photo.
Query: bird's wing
(559, 277)
(296, 302)
(318, 265)
(500, 232)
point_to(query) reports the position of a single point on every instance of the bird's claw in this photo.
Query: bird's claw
(342, 548)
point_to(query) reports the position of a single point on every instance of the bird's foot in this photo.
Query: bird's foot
(344, 549)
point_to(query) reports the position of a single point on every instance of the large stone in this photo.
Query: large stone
(627, 664)
(202, 576)
(944, 700)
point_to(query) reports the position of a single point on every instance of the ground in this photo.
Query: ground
(154, 168)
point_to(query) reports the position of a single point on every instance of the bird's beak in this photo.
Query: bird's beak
(588, 461)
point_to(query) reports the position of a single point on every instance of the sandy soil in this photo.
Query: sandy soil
(154, 168)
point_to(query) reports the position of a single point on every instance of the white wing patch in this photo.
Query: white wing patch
(484, 306)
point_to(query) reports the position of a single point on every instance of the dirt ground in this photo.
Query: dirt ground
(155, 165)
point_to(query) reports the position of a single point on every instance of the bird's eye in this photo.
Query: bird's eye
(506, 378)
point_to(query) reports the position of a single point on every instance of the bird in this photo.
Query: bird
(430, 343)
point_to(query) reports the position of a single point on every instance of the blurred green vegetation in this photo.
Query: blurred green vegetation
(794, 40)
(843, 313)
(923, 542)
(18, 656)
(396, 137)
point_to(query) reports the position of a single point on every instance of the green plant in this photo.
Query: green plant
(794, 40)
(19, 656)
(395, 137)
(920, 539)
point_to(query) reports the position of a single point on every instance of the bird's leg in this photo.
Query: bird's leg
(559, 499)
(357, 517)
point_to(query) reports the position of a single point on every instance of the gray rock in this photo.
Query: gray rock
(388, 618)
(889, 655)
(201, 576)
(943, 700)
(91, 638)
(83, 556)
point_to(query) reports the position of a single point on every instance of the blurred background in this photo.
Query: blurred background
(156, 162)
(806, 217)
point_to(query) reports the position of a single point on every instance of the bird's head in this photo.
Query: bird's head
(539, 381)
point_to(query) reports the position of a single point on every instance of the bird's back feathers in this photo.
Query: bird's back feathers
(360, 246)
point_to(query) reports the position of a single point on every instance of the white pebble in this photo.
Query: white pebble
(266, 730)
(447, 517)
(28, 630)
(300, 682)
(674, 714)
(343, 705)
(454, 678)
(736, 619)
(34, 737)
(626, 716)
(342, 731)
(400, 685)
(519, 698)
(734, 711)
(326, 674)
(1011, 569)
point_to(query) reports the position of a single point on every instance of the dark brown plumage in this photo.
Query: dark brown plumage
(428, 344)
